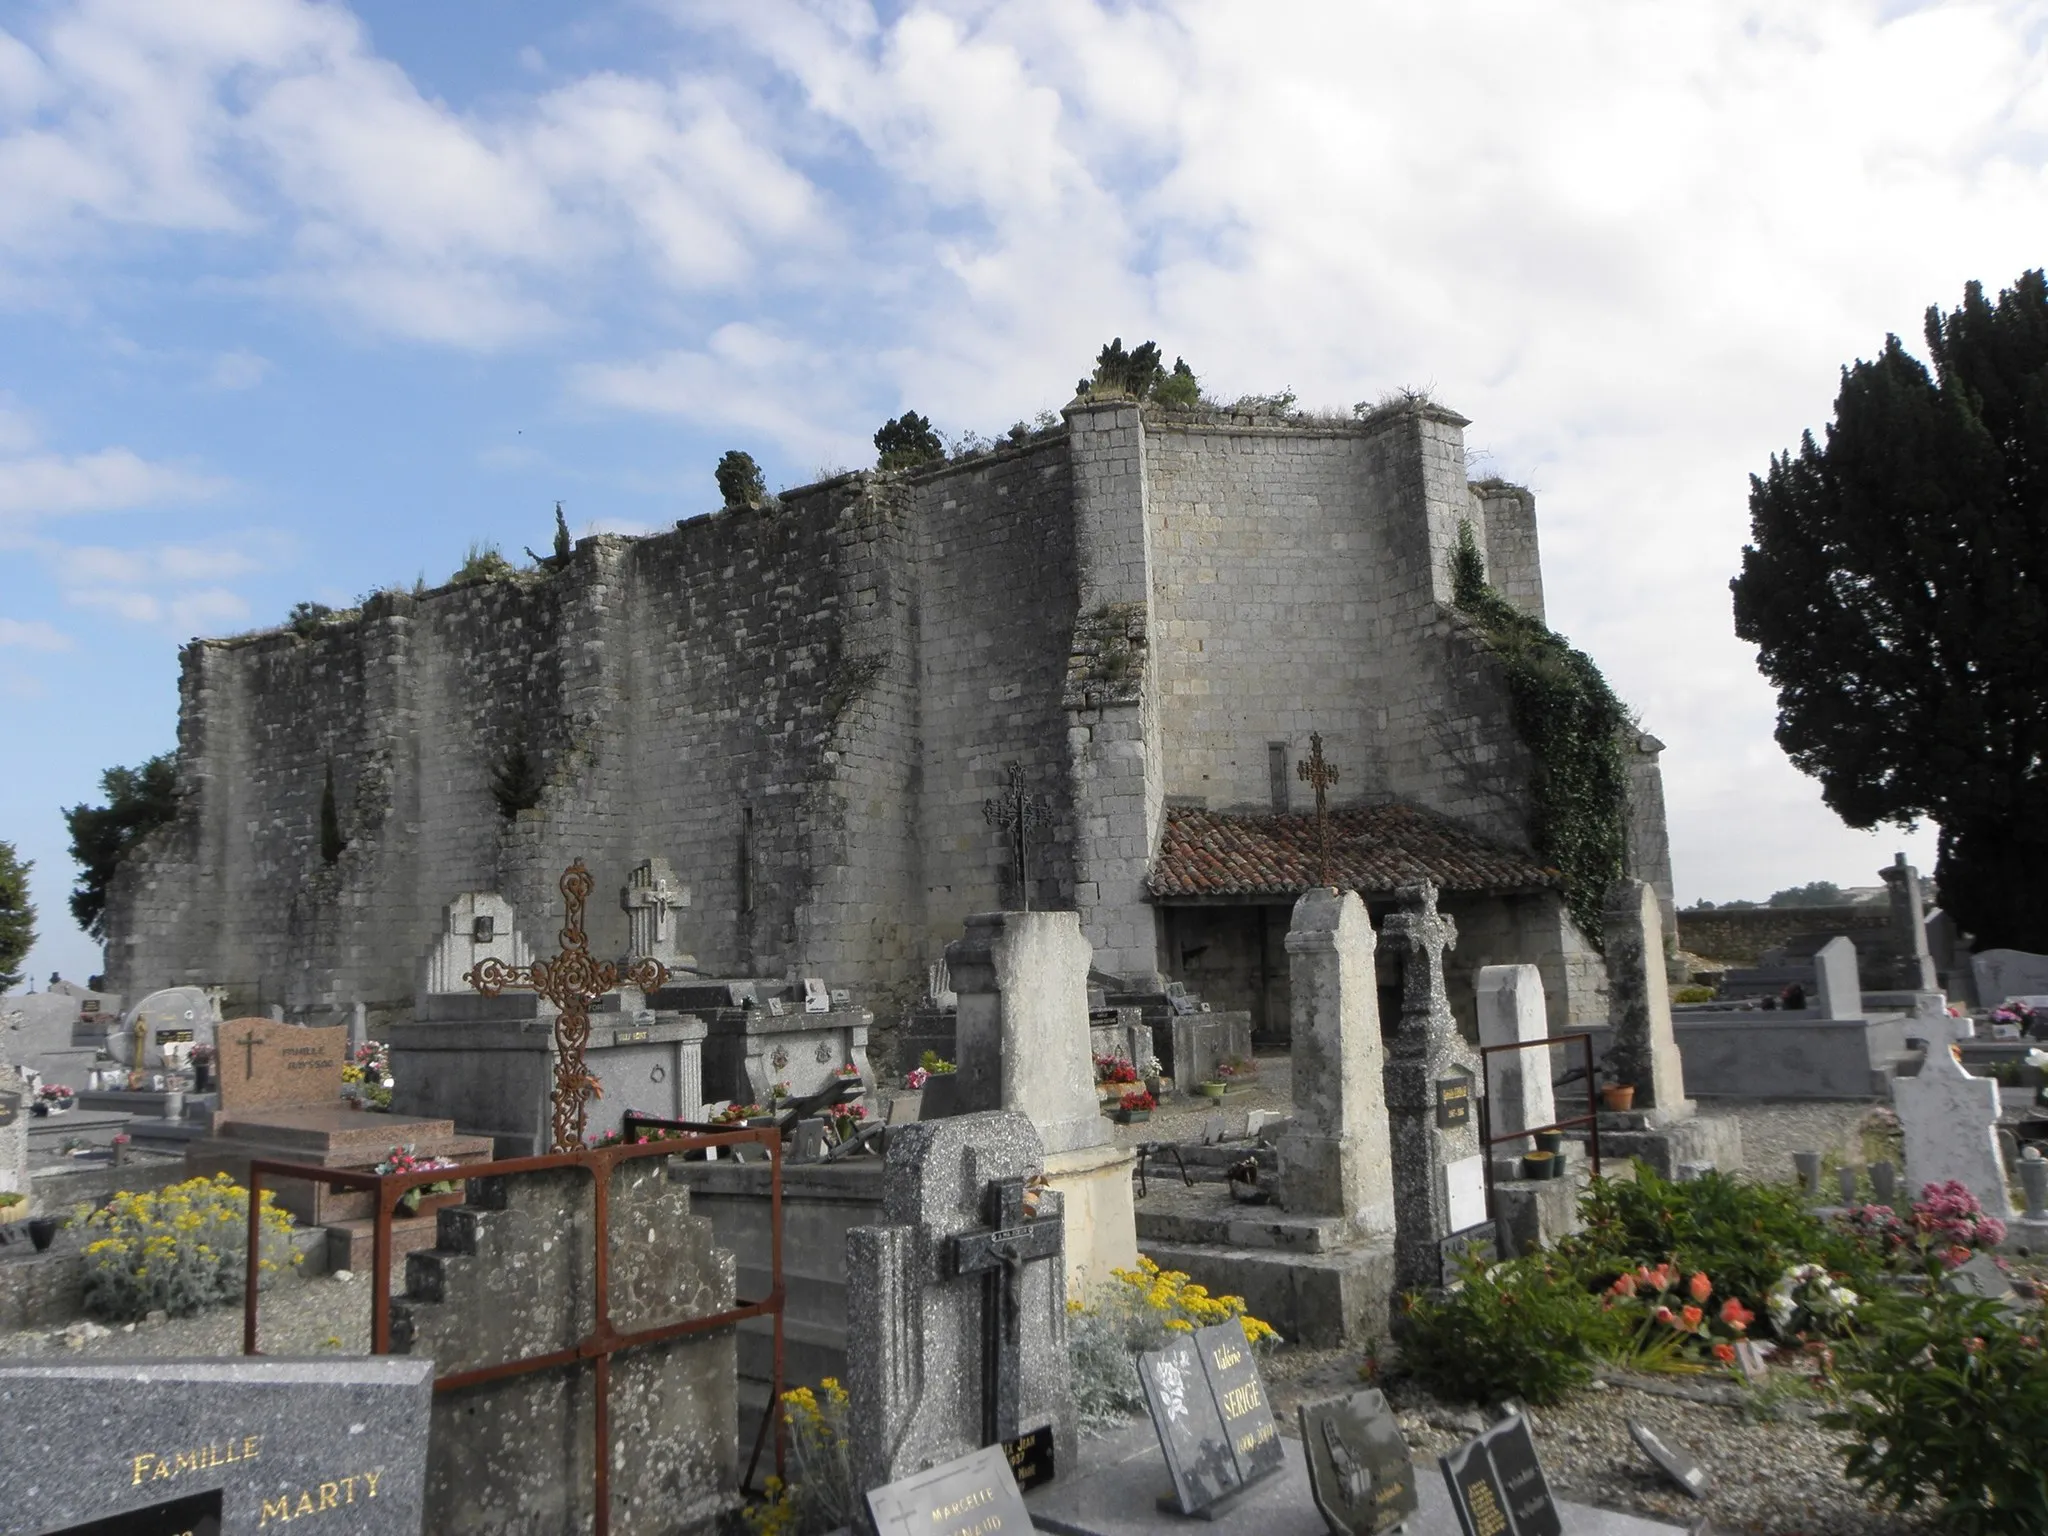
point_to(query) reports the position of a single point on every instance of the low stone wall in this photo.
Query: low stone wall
(1740, 934)
(1778, 1055)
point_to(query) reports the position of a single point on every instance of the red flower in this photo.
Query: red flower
(1736, 1315)
(1664, 1315)
(1725, 1353)
(1693, 1316)
(1625, 1286)
(1701, 1287)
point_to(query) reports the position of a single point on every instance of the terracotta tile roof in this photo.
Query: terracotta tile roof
(1373, 849)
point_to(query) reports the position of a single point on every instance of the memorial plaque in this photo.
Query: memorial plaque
(1190, 1426)
(1673, 1463)
(171, 1036)
(267, 1065)
(10, 1109)
(972, 1495)
(1497, 1485)
(1981, 1276)
(198, 1515)
(1453, 1101)
(1359, 1471)
(1031, 1457)
(1241, 1399)
(630, 1036)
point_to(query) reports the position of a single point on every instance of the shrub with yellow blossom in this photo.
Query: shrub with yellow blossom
(1145, 1307)
(820, 1494)
(177, 1250)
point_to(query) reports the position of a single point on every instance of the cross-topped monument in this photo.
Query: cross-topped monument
(572, 981)
(999, 1256)
(1319, 773)
(1017, 811)
(651, 897)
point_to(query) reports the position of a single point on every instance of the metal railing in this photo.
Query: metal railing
(1591, 1119)
(603, 1341)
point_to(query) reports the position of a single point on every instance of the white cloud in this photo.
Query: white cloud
(240, 369)
(111, 479)
(33, 635)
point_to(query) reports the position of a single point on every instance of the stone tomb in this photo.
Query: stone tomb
(513, 1275)
(257, 1445)
(1950, 1118)
(280, 1091)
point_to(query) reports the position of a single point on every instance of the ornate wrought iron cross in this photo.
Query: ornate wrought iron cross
(1017, 811)
(572, 981)
(1319, 774)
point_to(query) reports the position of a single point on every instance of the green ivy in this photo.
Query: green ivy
(1575, 728)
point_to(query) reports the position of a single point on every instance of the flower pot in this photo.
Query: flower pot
(1156, 1087)
(1132, 1116)
(1211, 1090)
(1537, 1165)
(1618, 1096)
(42, 1231)
(1549, 1141)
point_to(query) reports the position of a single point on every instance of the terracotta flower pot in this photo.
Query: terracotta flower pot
(1618, 1096)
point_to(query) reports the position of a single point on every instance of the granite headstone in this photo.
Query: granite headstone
(1497, 1484)
(1359, 1470)
(267, 1065)
(1671, 1461)
(971, 1495)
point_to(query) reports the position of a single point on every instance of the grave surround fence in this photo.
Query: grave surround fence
(1591, 1119)
(603, 1341)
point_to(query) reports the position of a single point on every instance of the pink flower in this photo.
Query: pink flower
(1736, 1316)
(1724, 1353)
(1625, 1286)
(1693, 1316)
(1700, 1286)
(1665, 1315)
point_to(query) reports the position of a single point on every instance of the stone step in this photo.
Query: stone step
(352, 1244)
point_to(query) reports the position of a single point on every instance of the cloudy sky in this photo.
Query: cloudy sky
(299, 299)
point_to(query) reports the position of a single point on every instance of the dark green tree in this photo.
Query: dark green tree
(1142, 374)
(1897, 587)
(563, 544)
(739, 480)
(1815, 893)
(139, 800)
(907, 442)
(17, 916)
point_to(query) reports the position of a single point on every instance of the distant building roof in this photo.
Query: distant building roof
(1373, 850)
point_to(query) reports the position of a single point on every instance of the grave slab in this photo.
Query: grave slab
(1518, 1092)
(1118, 1478)
(340, 1441)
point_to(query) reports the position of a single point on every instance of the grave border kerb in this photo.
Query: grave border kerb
(603, 1341)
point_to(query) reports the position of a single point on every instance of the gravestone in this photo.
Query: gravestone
(1334, 1156)
(1948, 1117)
(2008, 973)
(257, 1444)
(1209, 1408)
(1439, 1177)
(14, 1117)
(1518, 1092)
(1645, 1051)
(39, 1031)
(1671, 1461)
(928, 1342)
(1497, 1484)
(1909, 923)
(475, 926)
(971, 1495)
(265, 1065)
(1022, 981)
(652, 897)
(137, 1039)
(1359, 1470)
(1837, 983)
(512, 1276)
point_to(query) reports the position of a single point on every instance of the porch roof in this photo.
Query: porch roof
(1374, 849)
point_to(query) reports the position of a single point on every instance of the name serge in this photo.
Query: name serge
(987, 1525)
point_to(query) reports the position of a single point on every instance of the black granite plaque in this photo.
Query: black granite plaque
(1359, 1472)
(1031, 1457)
(1497, 1485)
(1671, 1461)
(1190, 1425)
(1241, 1399)
(10, 1109)
(172, 1036)
(198, 1515)
(1453, 1101)
(972, 1495)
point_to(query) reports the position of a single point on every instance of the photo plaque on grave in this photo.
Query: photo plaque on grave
(1481, 1242)
(972, 1495)
(194, 1515)
(1497, 1485)
(1359, 1471)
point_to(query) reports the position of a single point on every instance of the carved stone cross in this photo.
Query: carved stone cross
(249, 1041)
(572, 981)
(999, 1255)
(661, 896)
(1017, 811)
(1319, 773)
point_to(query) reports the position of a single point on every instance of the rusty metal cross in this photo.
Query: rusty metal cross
(572, 981)
(1319, 774)
(1017, 811)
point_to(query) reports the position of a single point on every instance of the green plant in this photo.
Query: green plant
(516, 782)
(932, 1061)
(17, 916)
(821, 1494)
(139, 800)
(1142, 374)
(482, 563)
(907, 442)
(1692, 994)
(1527, 1328)
(1945, 1397)
(306, 618)
(563, 546)
(1141, 1311)
(9, 1199)
(178, 1249)
(1574, 727)
(739, 480)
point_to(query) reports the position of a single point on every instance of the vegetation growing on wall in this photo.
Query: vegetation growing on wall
(1574, 727)
(482, 563)
(139, 800)
(907, 442)
(1142, 374)
(516, 782)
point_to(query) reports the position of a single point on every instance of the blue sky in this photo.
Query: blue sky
(300, 299)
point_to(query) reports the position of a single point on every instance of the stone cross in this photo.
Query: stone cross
(572, 981)
(999, 1255)
(1017, 812)
(650, 895)
(1432, 1080)
(1319, 774)
(1645, 1051)
(1949, 1117)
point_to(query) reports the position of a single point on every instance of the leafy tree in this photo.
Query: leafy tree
(739, 480)
(1815, 893)
(17, 916)
(908, 441)
(139, 800)
(1142, 374)
(1897, 585)
(308, 617)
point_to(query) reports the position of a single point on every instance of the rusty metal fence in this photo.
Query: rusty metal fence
(1591, 1119)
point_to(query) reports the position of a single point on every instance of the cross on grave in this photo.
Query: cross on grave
(1319, 773)
(999, 1255)
(249, 1041)
(660, 896)
(572, 981)
(1016, 811)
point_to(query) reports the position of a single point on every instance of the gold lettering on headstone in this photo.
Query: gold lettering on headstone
(152, 1465)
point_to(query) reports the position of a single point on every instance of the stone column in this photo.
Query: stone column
(1909, 923)
(358, 1028)
(1518, 1093)
(1022, 1039)
(1645, 1052)
(1439, 1181)
(1334, 1158)
(14, 1137)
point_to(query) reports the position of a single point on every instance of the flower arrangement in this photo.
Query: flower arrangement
(1114, 1069)
(849, 1070)
(1150, 1068)
(404, 1160)
(916, 1078)
(1137, 1099)
(1950, 1220)
(178, 1249)
(822, 1493)
(1807, 1298)
(56, 1095)
(737, 1114)
(1671, 1328)
(934, 1064)
(848, 1120)
(1236, 1069)
(203, 1055)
